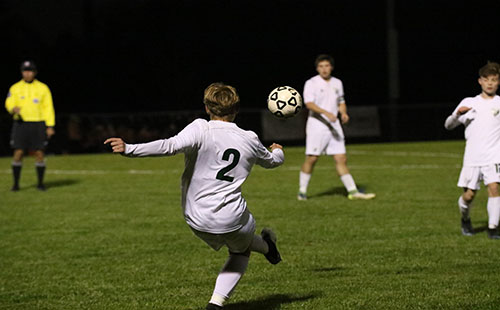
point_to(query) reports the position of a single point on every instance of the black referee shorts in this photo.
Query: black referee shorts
(28, 136)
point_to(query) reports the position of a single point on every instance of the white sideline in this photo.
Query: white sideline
(291, 168)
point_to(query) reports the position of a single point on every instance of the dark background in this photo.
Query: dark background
(118, 56)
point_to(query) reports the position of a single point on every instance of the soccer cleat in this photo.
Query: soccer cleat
(273, 255)
(360, 196)
(213, 307)
(15, 188)
(493, 233)
(301, 196)
(467, 229)
(41, 187)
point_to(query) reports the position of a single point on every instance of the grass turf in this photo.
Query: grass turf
(109, 234)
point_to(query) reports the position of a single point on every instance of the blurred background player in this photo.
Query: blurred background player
(481, 117)
(219, 157)
(30, 103)
(324, 97)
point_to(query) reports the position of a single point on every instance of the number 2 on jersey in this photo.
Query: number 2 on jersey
(221, 175)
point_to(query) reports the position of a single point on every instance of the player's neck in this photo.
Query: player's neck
(326, 78)
(222, 119)
(487, 96)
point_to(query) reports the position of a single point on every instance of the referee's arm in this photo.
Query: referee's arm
(11, 103)
(48, 113)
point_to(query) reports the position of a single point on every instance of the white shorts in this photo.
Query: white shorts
(237, 241)
(470, 177)
(323, 138)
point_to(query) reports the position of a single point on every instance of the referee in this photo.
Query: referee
(29, 101)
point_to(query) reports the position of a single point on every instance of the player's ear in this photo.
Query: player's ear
(207, 110)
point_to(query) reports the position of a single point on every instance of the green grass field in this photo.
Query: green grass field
(109, 234)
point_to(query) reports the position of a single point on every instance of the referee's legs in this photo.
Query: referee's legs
(17, 164)
(40, 168)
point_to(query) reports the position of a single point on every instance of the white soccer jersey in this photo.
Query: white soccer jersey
(218, 159)
(482, 130)
(326, 95)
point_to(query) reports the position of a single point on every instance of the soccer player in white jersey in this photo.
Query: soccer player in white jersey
(218, 159)
(324, 97)
(481, 117)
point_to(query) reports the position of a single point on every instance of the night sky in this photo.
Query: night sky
(138, 56)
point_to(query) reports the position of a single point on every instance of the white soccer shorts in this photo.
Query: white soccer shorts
(470, 177)
(236, 241)
(324, 143)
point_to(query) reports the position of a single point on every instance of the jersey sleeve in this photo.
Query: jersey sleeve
(268, 159)
(309, 92)
(455, 120)
(187, 139)
(341, 98)
(48, 109)
(10, 102)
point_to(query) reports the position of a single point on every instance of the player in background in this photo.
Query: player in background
(218, 159)
(30, 103)
(324, 97)
(481, 117)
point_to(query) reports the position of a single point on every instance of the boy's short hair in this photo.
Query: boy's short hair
(221, 99)
(491, 68)
(323, 57)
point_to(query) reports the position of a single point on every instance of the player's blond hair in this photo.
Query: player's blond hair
(221, 99)
(491, 68)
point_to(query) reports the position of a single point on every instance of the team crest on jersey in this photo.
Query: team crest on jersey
(495, 112)
(36, 100)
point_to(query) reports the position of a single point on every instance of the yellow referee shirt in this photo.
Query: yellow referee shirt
(34, 100)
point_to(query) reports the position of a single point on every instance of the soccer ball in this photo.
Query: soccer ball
(284, 102)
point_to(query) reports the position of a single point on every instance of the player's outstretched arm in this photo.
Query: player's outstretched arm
(271, 159)
(117, 144)
(454, 119)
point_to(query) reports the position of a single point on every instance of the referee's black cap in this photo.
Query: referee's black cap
(28, 65)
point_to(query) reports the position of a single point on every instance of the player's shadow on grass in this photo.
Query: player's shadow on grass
(271, 302)
(60, 183)
(335, 191)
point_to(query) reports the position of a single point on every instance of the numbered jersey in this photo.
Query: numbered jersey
(218, 159)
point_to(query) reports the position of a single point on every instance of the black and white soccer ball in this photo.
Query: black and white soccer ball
(284, 102)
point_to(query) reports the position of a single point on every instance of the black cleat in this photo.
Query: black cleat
(15, 188)
(467, 229)
(41, 187)
(273, 256)
(213, 307)
(493, 233)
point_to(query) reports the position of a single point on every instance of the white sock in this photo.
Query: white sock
(464, 207)
(349, 183)
(228, 278)
(493, 212)
(259, 245)
(304, 181)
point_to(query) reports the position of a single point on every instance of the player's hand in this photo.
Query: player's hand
(344, 118)
(463, 110)
(332, 117)
(275, 146)
(16, 110)
(50, 132)
(117, 144)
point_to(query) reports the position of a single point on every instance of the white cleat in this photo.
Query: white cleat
(301, 196)
(361, 196)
